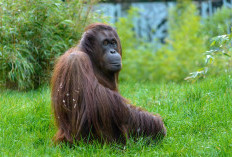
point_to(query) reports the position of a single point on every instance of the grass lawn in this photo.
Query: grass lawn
(198, 118)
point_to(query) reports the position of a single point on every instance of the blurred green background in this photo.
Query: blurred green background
(34, 33)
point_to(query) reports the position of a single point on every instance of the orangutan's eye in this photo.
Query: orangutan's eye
(105, 42)
(114, 42)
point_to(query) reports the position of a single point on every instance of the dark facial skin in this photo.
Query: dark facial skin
(111, 59)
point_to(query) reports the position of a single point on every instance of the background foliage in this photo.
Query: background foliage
(176, 59)
(218, 58)
(185, 45)
(218, 24)
(33, 33)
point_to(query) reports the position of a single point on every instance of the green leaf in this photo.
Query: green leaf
(213, 43)
(226, 54)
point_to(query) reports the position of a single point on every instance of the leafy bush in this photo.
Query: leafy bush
(33, 33)
(217, 24)
(176, 59)
(185, 44)
(218, 58)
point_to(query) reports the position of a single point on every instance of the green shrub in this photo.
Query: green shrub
(218, 58)
(175, 60)
(217, 24)
(33, 33)
(185, 44)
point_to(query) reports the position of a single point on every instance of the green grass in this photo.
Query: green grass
(198, 118)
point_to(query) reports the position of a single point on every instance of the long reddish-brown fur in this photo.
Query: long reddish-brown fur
(86, 103)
